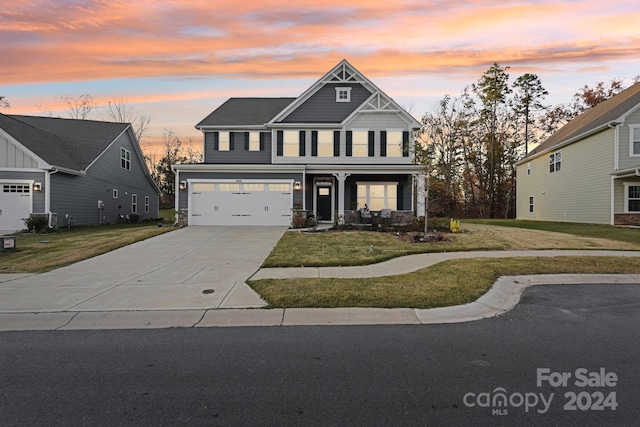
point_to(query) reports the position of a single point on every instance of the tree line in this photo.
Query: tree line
(469, 144)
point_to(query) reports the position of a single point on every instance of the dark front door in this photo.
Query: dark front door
(323, 200)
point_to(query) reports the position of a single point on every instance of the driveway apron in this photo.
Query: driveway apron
(198, 267)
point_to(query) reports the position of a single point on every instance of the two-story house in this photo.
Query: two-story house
(341, 145)
(75, 172)
(589, 170)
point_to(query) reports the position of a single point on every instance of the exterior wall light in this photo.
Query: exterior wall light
(183, 185)
(37, 186)
(297, 186)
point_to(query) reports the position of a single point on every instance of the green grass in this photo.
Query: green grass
(444, 284)
(621, 234)
(45, 252)
(353, 247)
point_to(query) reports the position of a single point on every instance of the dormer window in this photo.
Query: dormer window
(343, 94)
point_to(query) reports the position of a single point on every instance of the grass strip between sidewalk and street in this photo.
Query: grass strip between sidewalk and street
(445, 284)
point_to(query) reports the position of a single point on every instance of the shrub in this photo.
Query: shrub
(36, 224)
(454, 226)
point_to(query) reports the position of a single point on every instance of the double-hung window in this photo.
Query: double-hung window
(360, 143)
(632, 197)
(125, 159)
(555, 162)
(223, 141)
(134, 203)
(530, 203)
(146, 204)
(635, 141)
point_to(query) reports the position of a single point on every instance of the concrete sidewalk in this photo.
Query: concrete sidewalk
(194, 277)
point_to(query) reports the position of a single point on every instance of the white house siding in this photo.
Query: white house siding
(625, 160)
(579, 192)
(12, 156)
(377, 121)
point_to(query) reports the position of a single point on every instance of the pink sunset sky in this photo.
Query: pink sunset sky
(176, 61)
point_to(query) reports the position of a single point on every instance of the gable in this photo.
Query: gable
(318, 104)
(321, 107)
(14, 155)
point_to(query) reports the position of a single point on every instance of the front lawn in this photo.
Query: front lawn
(342, 248)
(37, 253)
(444, 284)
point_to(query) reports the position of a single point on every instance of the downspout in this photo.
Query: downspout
(616, 145)
(47, 193)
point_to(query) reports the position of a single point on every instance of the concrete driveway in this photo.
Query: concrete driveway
(191, 268)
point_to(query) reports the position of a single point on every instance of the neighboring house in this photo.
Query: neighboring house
(589, 170)
(340, 146)
(76, 172)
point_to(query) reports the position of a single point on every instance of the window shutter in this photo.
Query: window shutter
(383, 143)
(314, 143)
(349, 143)
(279, 143)
(216, 141)
(232, 136)
(263, 135)
(336, 143)
(246, 141)
(400, 198)
(302, 142)
(405, 144)
(371, 143)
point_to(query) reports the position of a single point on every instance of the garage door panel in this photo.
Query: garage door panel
(15, 204)
(253, 203)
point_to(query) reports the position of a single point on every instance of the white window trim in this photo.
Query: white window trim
(146, 204)
(394, 147)
(626, 196)
(631, 128)
(343, 89)
(134, 203)
(254, 140)
(127, 161)
(556, 155)
(365, 144)
(226, 140)
(114, 193)
(291, 143)
(325, 143)
(368, 184)
(532, 201)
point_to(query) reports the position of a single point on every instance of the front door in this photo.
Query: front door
(323, 203)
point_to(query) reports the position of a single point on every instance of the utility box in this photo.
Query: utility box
(7, 242)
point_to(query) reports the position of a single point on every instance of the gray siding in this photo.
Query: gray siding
(625, 160)
(78, 196)
(12, 156)
(37, 196)
(185, 176)
(238, 154)
(322, 107)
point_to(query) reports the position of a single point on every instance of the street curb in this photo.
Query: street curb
(503, 296)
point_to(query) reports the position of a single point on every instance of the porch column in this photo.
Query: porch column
(341, 179)
(420, 196)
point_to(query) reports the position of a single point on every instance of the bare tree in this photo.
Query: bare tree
(79, 107)
(119, 111)
(3, 102)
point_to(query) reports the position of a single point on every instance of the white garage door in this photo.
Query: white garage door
(15, 204)
(240, 203)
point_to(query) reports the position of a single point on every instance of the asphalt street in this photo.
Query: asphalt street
(566, 355)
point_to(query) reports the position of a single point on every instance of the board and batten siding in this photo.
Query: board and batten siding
(625, 161)
(579, 192)
(78, 196)
(12, 156)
